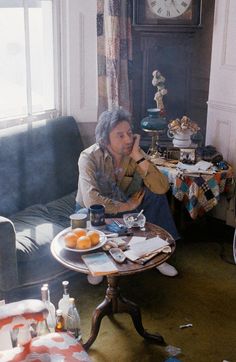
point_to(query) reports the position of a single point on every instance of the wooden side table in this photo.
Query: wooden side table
(114, 302)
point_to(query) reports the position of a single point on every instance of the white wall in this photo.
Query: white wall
(79, 60)
(221, 119)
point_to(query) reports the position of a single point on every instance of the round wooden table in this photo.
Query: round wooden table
(114, 302)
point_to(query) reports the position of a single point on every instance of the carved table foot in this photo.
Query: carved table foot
(127, 306)
(115, 303)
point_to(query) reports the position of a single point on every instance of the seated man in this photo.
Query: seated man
(116, 173)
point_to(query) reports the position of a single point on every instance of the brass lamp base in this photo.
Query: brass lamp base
(153, 149)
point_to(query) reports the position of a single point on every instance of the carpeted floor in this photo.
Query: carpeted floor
(203, 294)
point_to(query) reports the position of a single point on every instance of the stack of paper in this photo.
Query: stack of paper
(200, 167)
(145, 249)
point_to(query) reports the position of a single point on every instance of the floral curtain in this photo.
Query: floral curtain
(114, 48)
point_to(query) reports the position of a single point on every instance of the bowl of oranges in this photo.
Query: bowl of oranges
(81, 240)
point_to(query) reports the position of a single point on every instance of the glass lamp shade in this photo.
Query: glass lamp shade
(154, 121)
(154, 124)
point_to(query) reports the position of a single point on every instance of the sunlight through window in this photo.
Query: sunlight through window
(26, 58)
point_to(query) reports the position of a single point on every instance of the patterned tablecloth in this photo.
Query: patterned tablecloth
(199, 193)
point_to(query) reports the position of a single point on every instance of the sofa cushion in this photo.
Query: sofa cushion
(37, 225)
(39, 162)
(61, 209)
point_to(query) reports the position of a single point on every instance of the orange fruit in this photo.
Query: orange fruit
(83, 242)
(79, 232)
(70, 240)
(94, 237)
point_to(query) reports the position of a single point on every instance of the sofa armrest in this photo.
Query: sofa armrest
(8, 259)
(28, 311)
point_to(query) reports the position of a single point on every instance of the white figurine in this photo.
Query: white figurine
(158, 81)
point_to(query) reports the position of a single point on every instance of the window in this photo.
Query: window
(27, 88)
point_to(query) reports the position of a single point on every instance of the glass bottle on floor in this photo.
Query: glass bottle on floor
(73, 320)
(60, 322)
(51, 318)
(64, 303)
(47, 286)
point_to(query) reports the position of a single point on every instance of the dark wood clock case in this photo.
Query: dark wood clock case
(183, 57)
(143, 17)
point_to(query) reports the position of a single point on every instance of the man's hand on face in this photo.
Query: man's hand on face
(136, 199)
(135, 153)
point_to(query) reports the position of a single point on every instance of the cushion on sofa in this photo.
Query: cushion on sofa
(37, 225)
(39, 162)
(61, 209)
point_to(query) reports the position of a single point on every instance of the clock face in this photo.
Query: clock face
(169, 9)
(180, 15)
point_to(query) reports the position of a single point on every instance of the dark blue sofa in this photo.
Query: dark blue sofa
(38, 181)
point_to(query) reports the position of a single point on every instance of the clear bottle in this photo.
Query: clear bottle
(47, 286)
(60, 322)
(42, 328)
(73, 320)
(51, 318)
(64, 303)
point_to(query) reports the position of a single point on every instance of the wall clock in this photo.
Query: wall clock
(171, 13)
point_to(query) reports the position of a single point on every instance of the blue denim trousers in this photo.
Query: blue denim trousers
(156, 209)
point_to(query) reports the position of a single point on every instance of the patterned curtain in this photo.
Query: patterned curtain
(114, 49)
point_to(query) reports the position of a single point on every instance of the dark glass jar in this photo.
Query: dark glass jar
(60, 322)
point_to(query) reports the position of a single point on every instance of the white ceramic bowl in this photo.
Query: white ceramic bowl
(131, 220)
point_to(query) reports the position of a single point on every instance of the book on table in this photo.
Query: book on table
(99, 263)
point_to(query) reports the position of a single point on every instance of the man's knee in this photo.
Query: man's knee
(151, 198)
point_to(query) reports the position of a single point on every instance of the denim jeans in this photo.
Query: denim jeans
(156, 209)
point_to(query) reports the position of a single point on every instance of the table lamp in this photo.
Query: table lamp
(154, 124)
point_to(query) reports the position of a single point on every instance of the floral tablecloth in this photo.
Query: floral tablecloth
(199, 193)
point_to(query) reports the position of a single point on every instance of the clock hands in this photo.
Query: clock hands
(168, 9)
(170, 4)
(174, 5)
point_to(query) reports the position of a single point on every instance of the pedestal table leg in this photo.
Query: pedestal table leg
(115, 303)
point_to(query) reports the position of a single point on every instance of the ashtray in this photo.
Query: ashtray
(134, 220)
